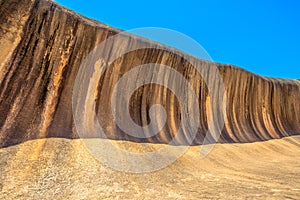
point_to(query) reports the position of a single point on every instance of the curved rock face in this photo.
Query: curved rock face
(43, 46)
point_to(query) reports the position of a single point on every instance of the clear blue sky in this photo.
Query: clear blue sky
(262, 36)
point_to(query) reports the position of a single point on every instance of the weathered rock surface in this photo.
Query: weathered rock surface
(57, 168)
(43, 46)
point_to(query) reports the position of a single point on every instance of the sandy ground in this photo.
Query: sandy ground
(63, 169)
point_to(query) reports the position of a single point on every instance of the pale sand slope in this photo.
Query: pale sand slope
(63, 169)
